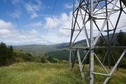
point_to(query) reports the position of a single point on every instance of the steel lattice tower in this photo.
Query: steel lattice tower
(97, 15)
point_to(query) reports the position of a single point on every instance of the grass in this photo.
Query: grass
(38, 73)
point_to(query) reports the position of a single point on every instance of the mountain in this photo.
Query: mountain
(35, 50)
(114, 40)
(62, 45)
(38, 50)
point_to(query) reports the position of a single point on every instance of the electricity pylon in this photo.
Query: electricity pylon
(91, 16)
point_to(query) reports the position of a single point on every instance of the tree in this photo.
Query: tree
(121, 39)
(9, 55)
(2, 53)
(101, 42)
(43, 59)
(6, 54)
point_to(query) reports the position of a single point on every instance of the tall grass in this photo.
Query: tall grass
(38, 73)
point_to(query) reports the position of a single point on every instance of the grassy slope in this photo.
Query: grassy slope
(37, 73)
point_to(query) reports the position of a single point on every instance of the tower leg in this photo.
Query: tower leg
(91, 65)
(91, 80)
(69, 64)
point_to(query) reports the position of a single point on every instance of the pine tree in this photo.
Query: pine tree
(6, 54)
(121, 39)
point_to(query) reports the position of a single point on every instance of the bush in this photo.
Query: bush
(43, 59)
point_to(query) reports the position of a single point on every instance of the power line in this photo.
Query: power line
(23, 3)
(50, 20)
(23, 38)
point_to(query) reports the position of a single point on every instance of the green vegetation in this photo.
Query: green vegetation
(48, 73)
(9, 56)
(49, 59)
(6, 54)
(35, 50)
(62, 54)
(25, 57)
(119, 40)
(38, 73)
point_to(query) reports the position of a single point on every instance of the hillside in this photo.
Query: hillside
(56, 51)
(39, 50)
(38, 73)
(45, 48)
(34, 50)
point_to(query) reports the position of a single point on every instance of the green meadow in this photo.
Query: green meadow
(51, 73)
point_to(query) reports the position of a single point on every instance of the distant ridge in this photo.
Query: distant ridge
(36, 48)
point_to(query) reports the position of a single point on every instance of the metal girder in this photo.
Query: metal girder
(115, 66)
(80, 64)
(124, 2)
(89, 12)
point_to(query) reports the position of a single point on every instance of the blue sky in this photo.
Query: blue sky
(34, 21)
(25, 22)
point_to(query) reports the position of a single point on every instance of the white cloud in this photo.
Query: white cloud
(4, 32)
(64, 32)
(10, 35)
(76, 3)
(5, 25)
(56, 25)
(32, 35)
(15, 1)
(68, 5)
(34, 15)
(51, 22)
(15, 14)
(56, 22)
(33, 8)
(35, 25)
(6, 29)
(33, 31)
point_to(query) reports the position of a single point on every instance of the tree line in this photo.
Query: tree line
(6, 54)
(9, 56)
(119, 40)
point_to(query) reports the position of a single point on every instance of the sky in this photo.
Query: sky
(34, 21)
(24, 22)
